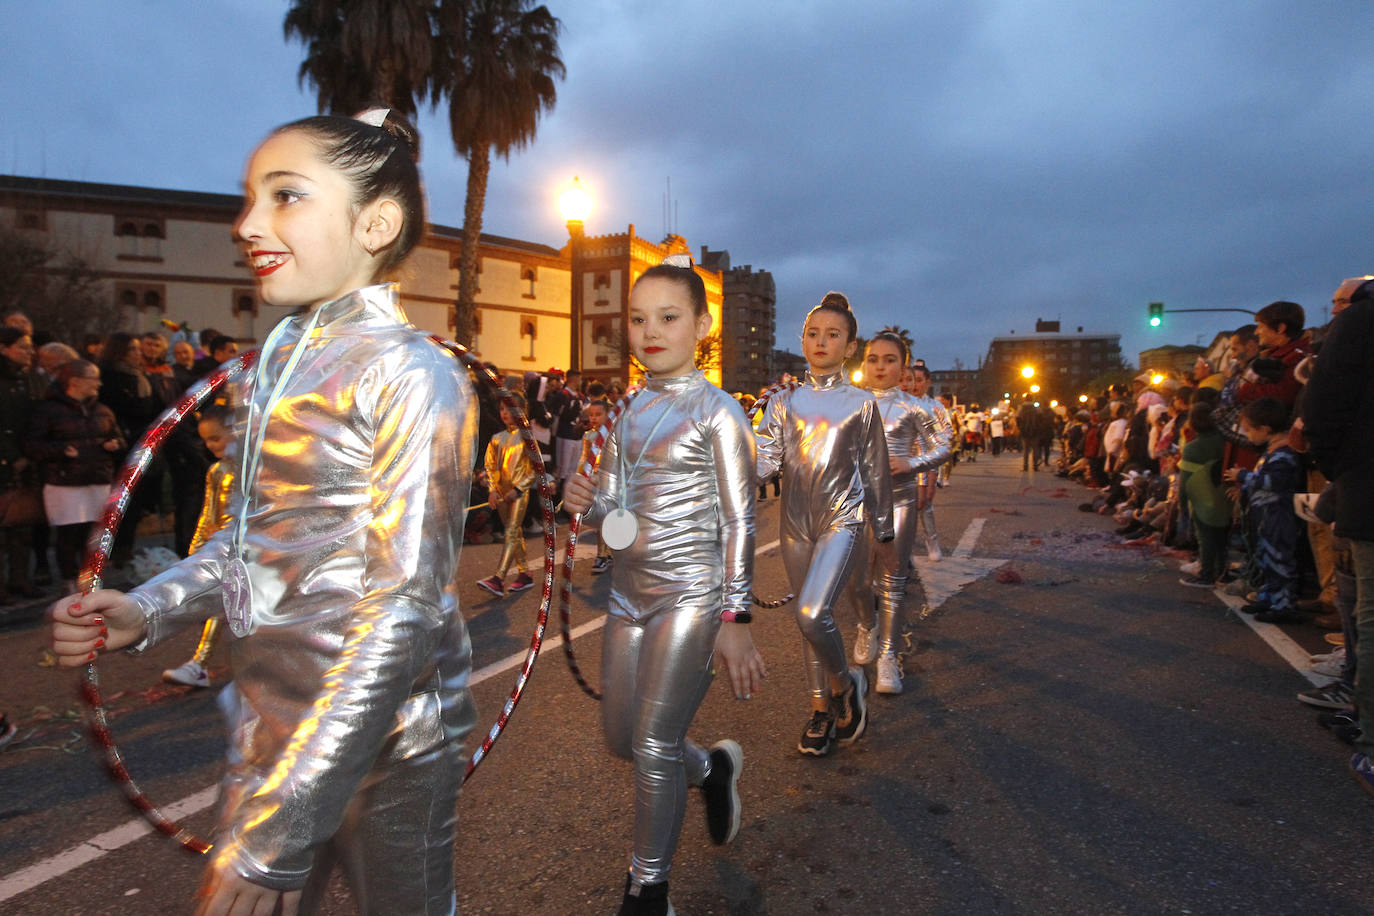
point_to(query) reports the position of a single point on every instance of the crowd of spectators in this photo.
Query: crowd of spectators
(1259, 471)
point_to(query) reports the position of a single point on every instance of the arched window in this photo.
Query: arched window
(527, 278)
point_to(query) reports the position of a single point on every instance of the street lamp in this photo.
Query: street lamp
(576, 205)
(1156, 379)
(1035, 389)
(1082, 399)
(1028, 372)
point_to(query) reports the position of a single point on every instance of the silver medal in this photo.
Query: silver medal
(238, 598)
(619, 528)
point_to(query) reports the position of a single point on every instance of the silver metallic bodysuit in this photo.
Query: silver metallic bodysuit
(914, 437)
(828, 435)
(690, 453)
(351, 699)
(945, 430)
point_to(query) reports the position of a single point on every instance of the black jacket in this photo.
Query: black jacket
(1338, 418)
(59, 422)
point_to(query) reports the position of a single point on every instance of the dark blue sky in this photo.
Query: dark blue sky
(959, 168)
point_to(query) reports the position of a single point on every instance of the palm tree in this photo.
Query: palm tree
(361, 52)
(498, 65)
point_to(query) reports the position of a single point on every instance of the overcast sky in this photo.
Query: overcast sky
(959, 168)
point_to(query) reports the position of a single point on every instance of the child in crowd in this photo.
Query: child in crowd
(1267, 492)
(1208, 507)
(337, 573)
(510, 476)
(675, 499)
(216, 428)
(593, 418)
(827, 438)
(915, 444)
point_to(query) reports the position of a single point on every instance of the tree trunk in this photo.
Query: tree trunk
(465, 310)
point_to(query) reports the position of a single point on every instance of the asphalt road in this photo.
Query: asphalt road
(1080, 734)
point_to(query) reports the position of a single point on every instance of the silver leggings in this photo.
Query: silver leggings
(655, 672)
(818, 571)
(877, 591)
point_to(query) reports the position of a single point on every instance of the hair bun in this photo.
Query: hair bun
(396, 125)
(834, 299)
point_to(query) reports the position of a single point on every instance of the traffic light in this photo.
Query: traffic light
(1156, 314)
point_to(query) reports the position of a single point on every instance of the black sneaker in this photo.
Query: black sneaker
(852, 717)
(721, 792)
(819, 735)
(645, 900)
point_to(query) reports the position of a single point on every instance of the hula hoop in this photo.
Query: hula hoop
(754, 409)
(102, 541)
(587, 469)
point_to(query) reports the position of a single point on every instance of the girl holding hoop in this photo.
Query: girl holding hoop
(337, 571)
(674, 499)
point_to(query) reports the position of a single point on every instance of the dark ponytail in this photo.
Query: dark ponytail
(379, 152)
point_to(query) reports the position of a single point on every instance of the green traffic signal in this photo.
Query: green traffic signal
(1156, 314)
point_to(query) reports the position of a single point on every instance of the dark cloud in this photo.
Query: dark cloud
(960, 168)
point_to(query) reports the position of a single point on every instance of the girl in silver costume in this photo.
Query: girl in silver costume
(510, 476)
(828, 435)
(675, 498)
(917, 383)
(336, 573)
(915, 445)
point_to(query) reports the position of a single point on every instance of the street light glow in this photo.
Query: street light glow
(575, 202)
(858, 376)
(1082, 399)
(1027, 371)
(1035, 389)
(1156, 379)
(1054, 403)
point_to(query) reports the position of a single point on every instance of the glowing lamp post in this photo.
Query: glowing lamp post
(576, 205)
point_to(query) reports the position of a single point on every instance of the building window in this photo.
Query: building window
(527, 277)
(529, 329)
(244, 300)
(142, 296)
(31, 220)
(140, 238)
(601, 280)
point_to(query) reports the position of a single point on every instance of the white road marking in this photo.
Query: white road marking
(942, 579)
(1279, 641)
(26, 879)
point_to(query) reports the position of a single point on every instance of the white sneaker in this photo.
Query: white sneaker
(1332, 665)
(1191, 569)
(865, 646)
(933, 549)
(889, 673)
(189, 674)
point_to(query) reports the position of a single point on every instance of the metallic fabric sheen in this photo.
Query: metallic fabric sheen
(358, 670)
(877, 592)
(693, 493)
(828, 437)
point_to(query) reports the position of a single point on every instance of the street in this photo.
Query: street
(1079, 734)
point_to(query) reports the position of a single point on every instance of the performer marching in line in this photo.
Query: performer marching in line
(337, 572)
(877, 590)
(927, 480)
(674, 499)
(828, 436)
(216, 427)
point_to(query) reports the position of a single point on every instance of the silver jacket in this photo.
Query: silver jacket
(914, 436)
(692, 495)
(944, 430)
(828, 435)
(360, 657)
